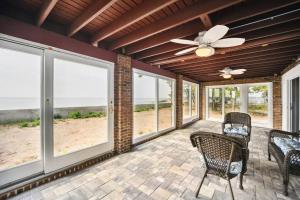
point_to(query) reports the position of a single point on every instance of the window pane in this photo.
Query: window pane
(186, 100)
(20, 134)
(232, 99)
(80, 106)
(215, 103)
(166, 103)
(144, 105)
(194, 100)
(258, 103)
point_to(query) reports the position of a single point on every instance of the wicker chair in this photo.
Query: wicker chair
(238, 118)
(289, 163)
(220, 153)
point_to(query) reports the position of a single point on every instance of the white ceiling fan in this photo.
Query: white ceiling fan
(227, 72)
(206, 41)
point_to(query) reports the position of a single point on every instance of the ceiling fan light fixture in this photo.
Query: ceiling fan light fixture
(226, 76)
(205, 51)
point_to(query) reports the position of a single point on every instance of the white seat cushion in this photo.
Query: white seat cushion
(236, 131)
(286, 144)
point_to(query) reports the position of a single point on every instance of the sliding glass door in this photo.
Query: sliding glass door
(153, 104)
(190, 101)
(253, 99)
(56, 109)
(78, 98)
(21, 112)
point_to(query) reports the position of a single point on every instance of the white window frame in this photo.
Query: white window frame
(52, 162)
(35, 167)
(27, 171)
(192, 117)
(157, 131)
(244, 100)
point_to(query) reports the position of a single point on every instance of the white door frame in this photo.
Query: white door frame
(22, 171)
(53, 163)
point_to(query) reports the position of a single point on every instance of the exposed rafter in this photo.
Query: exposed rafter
(206, 21)
(95, 9)
(239, 54)
(234, 32)
(188, 14)
(164, 37)
(141, 11)
(252, 8)
(247, 45)
(47, 6)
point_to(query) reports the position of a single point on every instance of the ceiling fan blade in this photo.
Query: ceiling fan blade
(215, 33)
(228, 42)
(185, 51)
(237, 71)
(183, 41)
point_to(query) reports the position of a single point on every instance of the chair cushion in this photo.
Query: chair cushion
(286, 144)
(235, 167)
(236, 131)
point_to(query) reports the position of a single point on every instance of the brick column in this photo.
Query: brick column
(123, 115)
(277, 103)
(202, 97)
(179, 114)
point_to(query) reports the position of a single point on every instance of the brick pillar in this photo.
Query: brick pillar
(123, 115)
(202, 99)
(179, 114)
(277, 104)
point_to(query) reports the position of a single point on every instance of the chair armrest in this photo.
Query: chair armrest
(223, 127)
(283, 134)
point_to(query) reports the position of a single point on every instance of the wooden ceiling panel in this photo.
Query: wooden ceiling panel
(146, 36)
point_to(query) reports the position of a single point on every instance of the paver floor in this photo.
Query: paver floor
(170, 168)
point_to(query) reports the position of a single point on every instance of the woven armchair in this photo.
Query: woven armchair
(289, 163)
(238, 118)
(221, 153)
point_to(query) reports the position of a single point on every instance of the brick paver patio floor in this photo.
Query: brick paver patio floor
(169, 168)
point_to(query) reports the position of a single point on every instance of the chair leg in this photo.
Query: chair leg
(198, 190)
(269, 156)
(231, 192)
(241, 181)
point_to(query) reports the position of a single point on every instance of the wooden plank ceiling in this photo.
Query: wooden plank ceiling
(143, 29)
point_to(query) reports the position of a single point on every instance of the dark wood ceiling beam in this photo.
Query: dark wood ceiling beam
(262, 57)
(267, 69)
(93, 10)
(280, 19)
(256, 50)
(161, 49)
(252, 8)
(244, 32)
(47, 6)
(188, 14)
(237, 57)
(136, 14)
(164, 37)
(263, 24)
(247, 45)
(253, 66)
(206, 21)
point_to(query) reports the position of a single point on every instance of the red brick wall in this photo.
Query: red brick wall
(277, 105)
(179, 114)
(123, 115)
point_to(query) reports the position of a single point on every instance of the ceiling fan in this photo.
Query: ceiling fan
(206, 41)
(227, 72)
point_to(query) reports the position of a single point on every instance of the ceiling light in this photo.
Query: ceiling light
(264, 45)
(226, 76)
(205, 51)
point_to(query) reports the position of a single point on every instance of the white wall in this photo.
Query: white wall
(293, 73)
